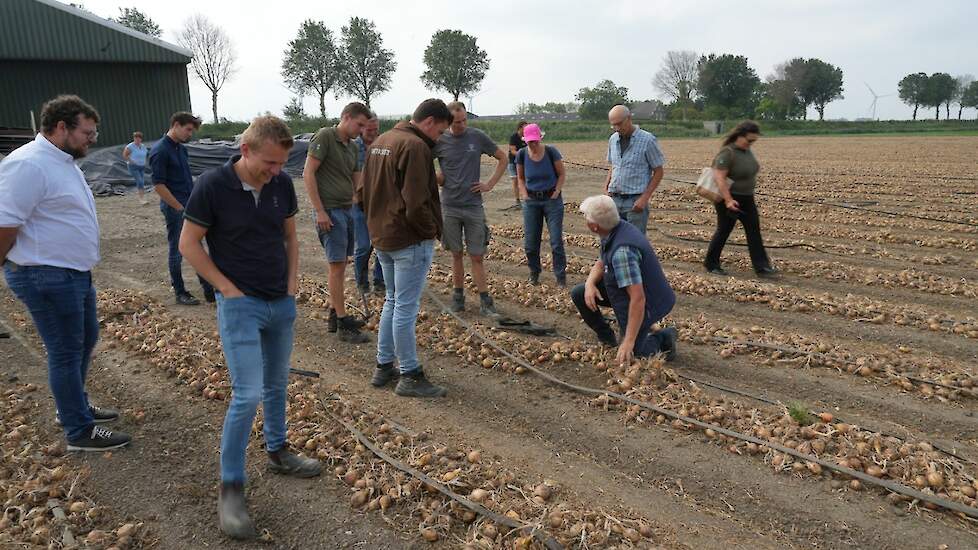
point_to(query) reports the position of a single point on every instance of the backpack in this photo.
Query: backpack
(547, 150)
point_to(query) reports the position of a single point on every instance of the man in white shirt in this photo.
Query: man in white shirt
(49, 243)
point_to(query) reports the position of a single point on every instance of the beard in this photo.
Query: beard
(75, 152)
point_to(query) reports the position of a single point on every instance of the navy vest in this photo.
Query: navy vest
(659, 297)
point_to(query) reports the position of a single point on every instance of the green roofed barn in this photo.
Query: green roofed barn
(48, 48)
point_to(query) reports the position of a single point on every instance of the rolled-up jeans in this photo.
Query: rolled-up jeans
(625, 212)
(405, 274)
(535, 211)
(62, 304)
(256, 335)
(363, 249)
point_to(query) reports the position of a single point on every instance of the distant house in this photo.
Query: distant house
(48, 48)
(648, 110)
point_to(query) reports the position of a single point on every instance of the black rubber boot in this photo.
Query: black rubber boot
(384, 374)
(232, 512)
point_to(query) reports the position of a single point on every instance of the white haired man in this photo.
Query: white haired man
(628, 278)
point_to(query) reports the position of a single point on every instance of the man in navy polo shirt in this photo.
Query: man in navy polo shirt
(628, 278)
(173, 183)
(246, 211)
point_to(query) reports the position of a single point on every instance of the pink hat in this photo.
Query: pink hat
(531, 132)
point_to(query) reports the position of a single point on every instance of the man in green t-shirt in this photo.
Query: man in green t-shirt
(328, 175)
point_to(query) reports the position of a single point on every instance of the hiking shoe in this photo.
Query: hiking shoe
(766, 272)
(187, 299)
(416, 384)
(232, 512)
(458, 300)
(534, 278)
(209, 295)
(100, 414)
(348, 330)
(100, 439)
(355, 322)
(289, 464)
(668, 343)
(331, 321)
(487, 307)
(384, 374)
(717, 271)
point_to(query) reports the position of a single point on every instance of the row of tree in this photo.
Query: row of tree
(938, 89)
(727, 86)
(317, 63)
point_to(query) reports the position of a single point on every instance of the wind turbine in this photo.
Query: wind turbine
(876, 97)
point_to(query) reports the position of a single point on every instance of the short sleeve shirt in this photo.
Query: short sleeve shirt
(516, 141)
(137, 154)
(539, 175)
(460, 160)
(742, 167)
(338, 161)
(170, 164)
(245, 237)
(632, 165)
(628, 267)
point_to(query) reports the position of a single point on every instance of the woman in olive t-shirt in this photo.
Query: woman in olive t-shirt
(736, 161)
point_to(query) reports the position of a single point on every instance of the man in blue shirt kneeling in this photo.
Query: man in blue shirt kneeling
(628, 278)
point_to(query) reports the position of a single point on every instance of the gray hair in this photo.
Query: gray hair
(601, 209)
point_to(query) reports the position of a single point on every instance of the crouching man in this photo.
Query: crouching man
(628, 278)
(246, 211)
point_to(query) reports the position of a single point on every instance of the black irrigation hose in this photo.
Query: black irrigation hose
(866, 478)
(544, 538)
(810, 201)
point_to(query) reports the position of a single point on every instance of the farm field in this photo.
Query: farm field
(862, 354)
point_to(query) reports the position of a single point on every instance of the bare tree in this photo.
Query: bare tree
(676, 78)
(214, 58)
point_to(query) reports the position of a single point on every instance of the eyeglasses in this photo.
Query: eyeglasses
(92, 135)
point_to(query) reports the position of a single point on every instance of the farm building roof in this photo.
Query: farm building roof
(52, 31)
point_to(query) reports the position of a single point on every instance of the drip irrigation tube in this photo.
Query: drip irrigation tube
(811, 201)
(968, 511)
(545, 539)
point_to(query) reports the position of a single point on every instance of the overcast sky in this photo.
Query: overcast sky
(546, 50)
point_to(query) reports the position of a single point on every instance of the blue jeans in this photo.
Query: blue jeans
(256, 336)
(62, 303)
(363, 249)
(406, 273)
(137, 173)
(535, 211)
(638, 219)
(174, 225)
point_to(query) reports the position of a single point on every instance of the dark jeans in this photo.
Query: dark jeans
(363, 249)
(726, 220)
(174, 224)
(62, 303)
(535, 211)
(645, 344)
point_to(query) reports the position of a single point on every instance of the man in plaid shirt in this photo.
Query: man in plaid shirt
(636, 168)
(629, 279)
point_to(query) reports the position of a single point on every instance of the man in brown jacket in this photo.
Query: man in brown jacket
(399, 197)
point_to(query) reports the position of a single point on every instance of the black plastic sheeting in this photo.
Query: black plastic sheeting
(106, 167)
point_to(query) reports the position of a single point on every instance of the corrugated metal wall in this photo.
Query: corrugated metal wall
(32, 29)
(128, 96)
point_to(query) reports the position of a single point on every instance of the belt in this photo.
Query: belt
(545, 194)
(11, 265)
(623, 195)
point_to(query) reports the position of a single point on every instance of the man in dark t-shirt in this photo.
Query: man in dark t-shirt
(515, 144)
(246, 211)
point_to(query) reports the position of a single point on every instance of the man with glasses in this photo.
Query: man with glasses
(49, 243)
(173, 182)
(636, 167)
